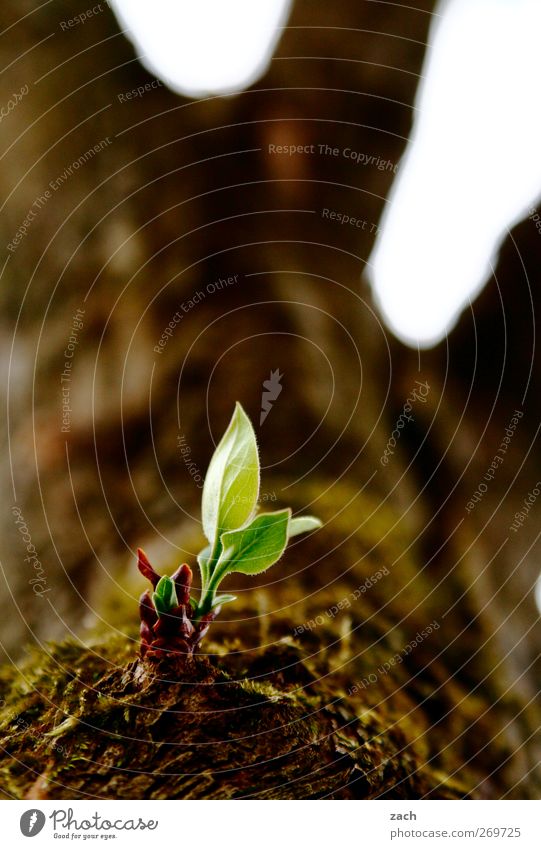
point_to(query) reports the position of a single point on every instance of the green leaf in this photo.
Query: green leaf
(232, 482)
(254, 548)
(165, 595)
(203, 560)
(303, 524)
(223, 599)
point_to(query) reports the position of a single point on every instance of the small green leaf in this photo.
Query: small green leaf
(223, 599)
(203, 560)
(303, 524)
(232, 482)
(158, 604)
(165, 595)
(254, 548)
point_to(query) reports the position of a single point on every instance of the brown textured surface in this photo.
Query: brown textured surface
(276, 708)
(140, 733)
(465, 702)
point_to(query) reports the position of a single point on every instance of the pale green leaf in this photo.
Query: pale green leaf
(223, 599)
(232, 481)
(203, 560)
(303, 524)
(254, 548)
(165, 595)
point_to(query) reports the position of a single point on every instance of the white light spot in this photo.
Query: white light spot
(472, 168)
(202, 47)
(538, 594)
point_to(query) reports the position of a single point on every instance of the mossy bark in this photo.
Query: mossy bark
(318, 697)
(273, 711)
(140, 731)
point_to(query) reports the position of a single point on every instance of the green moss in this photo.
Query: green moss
(291, 719)
(262, 725)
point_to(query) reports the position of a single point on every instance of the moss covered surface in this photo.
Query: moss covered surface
(296, 695)
(97, 723)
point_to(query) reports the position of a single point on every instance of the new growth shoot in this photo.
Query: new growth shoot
(239, 540)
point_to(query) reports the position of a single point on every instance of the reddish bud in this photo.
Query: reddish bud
(183, 583)
(173, 632)
(147, 611)
(146, 633)
(145, 568)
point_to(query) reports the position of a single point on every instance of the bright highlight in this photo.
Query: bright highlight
(204, 47)
(472, 168)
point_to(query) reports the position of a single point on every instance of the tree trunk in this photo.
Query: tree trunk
(423, 682)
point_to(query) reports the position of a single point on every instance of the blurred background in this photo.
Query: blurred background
(316, 208)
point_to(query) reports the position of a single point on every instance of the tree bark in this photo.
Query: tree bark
(180, 196)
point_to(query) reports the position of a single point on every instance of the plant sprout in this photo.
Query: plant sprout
(239, 540)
